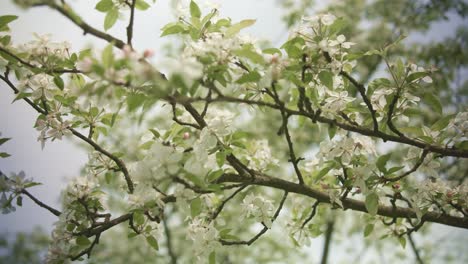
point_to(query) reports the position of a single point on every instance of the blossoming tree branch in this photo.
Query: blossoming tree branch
(230, 130)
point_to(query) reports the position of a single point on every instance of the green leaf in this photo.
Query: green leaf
(382, 161)
(368, 230)
(272, 51)
(331, 131)
(111, 18)
(337, 26)
(170, 29)
(220, 158)
(59, 82)
(109, 176)
(212, 258)
(155, 133)
(82, 241)
(442, 123)
(4, 20)
(19, 201)
(415, 76)
(372, 203)
(252, 76)
(4, 155)
(250, 54)
(434, 102)
(326, 78)
(141, 5)
(104, 6)
(194, 10)
(152, 242)
(235, 28)
(138, 218)
(402, 241)
(107, 56)
(394, 169)
(3, 140)
(195, 207)
(135, 100)
(214, 175)
(323, 172)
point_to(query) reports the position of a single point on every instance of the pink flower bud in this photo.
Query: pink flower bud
(186, 135)
(148, 53)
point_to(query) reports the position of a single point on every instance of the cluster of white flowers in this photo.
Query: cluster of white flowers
(144, 195)
(159, 161)
(215, 44)
(346, 148)
(204, 235)
(50, 127)
(81, 187)
(201, 162)
(258, 207)
(260, 155)
(413, 68)
(379, 101)
(41, 85)
(189, 69)
(11, 187)
(43, 52)
(448, 197)
(335, 102)
(61, 242)
(460, 125)
(219, 121)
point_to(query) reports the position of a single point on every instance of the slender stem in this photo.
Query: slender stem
(328, 239)
(170, 246)
(415, 249)
(130, 23)
(41, 204)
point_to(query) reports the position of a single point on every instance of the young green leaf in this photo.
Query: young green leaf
(82, 241)
(195, 207)
(4, 20)
(326, 78)
(372, 203)
(104, 6)
(141, 5)
(152, 242)
(368, 229)
(234, 29)
(111, 18)
(194, 10)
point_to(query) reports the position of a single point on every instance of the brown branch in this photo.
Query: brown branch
(413, 169)
(41, 204)
(130, 23)
(312, 214)
(445, 151)
(225, 201)
(117, 161)
(362, 91)
(415, 249)
(170, 246)
(29, 65)
(293, 159)
(68, 12)
(348, 203)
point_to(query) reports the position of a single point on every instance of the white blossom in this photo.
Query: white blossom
(258, 207)
(204, 235)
